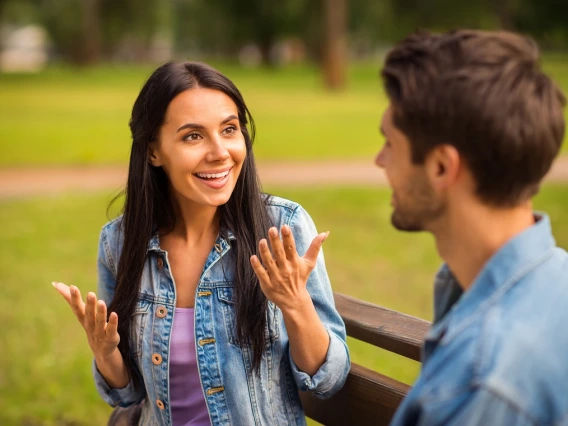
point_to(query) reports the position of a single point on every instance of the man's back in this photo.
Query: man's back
(499, 355)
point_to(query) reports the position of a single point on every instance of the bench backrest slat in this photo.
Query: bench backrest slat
(381, 327)
(368, 398)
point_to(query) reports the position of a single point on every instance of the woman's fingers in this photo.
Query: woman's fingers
(312, 253)
(90, 308)
(260, 271)
(100, 320)
(289, 244)
(77, 303)
(63, 289)
(267, 259)
(277, 247)
(112, 326)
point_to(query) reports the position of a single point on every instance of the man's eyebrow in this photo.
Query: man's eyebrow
(200, 126)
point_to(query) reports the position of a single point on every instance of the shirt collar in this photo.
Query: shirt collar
(510, 263)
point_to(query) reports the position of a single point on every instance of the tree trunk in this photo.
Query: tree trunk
(503, 10)
(91, 50)
(335, 48)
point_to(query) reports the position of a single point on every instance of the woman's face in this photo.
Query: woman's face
(201, 147)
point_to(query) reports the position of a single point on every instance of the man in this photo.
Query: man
(472, 128)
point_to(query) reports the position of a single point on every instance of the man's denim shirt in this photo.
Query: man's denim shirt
(233, 393)
(497, 355)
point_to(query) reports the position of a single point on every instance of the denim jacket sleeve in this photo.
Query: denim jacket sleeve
(106, 271)
(332, 374)
(479, 407)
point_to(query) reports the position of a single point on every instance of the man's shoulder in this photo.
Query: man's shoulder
(523, 348)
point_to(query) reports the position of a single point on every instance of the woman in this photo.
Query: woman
(200, 331)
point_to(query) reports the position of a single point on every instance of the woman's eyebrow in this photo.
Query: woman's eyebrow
(229, 118)
(200, 126)
(190, 126)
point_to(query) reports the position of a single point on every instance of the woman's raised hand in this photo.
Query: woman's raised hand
(284, 276)
(102, 335)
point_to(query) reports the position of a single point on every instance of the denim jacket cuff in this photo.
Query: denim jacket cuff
(332, 373)
(122, 397)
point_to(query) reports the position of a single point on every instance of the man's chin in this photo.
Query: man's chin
(405, 224)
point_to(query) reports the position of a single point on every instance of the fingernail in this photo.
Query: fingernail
(273, 232)
(54, 283)
(285, 230)
(326, 235)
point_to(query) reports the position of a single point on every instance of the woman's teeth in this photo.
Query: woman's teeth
(212, 175)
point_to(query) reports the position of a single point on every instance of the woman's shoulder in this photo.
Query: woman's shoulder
(285, 212)
(278, 203)
(112, 227)
(111, 238)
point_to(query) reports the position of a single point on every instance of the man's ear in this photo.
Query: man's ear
(153, 154)
(443, 166)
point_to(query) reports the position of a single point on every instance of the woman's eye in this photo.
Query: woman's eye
(192, 137)
(230, 130)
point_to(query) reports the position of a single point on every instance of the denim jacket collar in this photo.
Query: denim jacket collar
(154, 244)
(514, 260)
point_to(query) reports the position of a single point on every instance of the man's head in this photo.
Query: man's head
(469, 111)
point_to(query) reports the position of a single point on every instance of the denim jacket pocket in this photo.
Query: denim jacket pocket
(137, 326)
(227, 298)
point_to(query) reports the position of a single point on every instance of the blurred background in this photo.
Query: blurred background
(70, 71)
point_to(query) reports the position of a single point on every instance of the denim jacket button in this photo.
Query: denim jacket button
(160, 404)
(160, 263)
(218, 248)
(157, 359)
(161, 312)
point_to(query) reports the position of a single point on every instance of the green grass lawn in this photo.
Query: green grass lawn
(65, 116)
(45, 376)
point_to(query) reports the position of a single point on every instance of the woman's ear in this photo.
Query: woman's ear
(154, 155)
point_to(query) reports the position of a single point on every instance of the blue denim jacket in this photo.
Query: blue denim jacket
(234, 395)
(498, 353)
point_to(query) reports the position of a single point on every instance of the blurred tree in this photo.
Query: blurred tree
(84, 31)
(335, 43)
(224, 26)
(91, 32)
(546, 20)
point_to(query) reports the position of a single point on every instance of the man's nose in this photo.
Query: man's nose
(380, 159)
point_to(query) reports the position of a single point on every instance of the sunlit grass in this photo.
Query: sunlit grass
(65, 116)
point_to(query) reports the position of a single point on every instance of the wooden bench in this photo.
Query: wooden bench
(368, 397)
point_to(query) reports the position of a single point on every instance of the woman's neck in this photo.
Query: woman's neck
(195, 222)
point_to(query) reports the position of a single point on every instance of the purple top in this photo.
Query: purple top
(186, 396)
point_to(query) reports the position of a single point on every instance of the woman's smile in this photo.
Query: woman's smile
(215, 179)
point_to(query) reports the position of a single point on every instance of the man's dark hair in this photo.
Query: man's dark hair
(485, 94)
